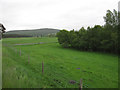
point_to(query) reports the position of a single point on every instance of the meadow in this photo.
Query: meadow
(61, 65)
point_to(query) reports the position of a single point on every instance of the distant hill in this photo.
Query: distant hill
(33, 32)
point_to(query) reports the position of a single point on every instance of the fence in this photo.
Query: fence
(42, 65)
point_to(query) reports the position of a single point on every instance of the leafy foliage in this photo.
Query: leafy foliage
(97, 38)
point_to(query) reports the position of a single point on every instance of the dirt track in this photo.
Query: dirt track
(34, 43)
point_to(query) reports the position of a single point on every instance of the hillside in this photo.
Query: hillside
(33, 32)
(63, 67)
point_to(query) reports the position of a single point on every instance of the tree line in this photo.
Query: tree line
(98, 38)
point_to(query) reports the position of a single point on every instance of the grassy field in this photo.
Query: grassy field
(97, 70)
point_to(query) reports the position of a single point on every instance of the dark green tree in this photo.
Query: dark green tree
(97, 38)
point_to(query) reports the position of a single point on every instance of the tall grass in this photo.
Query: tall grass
(97, 70)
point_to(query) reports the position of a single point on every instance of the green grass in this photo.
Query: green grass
(97, 70)
(28, 40)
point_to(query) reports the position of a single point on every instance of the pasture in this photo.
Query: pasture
(61, 65)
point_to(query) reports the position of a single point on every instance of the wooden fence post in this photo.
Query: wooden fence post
(28, 59)
(15, 51)
(20, 52)
(42, 67)
(80, 84)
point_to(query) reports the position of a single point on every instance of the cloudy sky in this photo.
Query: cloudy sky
(59, 14)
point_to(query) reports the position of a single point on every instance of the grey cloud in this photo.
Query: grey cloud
(67, 14)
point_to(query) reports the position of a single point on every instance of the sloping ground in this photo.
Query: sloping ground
(13, 41)
(61, 66)
(34, 32)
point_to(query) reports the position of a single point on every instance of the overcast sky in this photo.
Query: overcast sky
(59, 14)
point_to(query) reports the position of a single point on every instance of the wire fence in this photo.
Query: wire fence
(27, 59)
